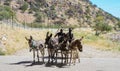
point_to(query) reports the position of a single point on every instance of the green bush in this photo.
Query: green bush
(118, 24)
(6, 12)
(35, 25)
(102, 27)
(106, 27)
(1, 52)
(52, 7)
(7, 2)
(42, 25)
(69, 12)
(38, 16)
(24, 7)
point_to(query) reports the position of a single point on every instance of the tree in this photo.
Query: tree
(6, 12)
(24, 7)
(101, 27)
(117, 26)
(38, 16)
(69, 12)
(52, 7)
(7, 2)
(99, 18)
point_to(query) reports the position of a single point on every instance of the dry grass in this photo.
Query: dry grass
(16, 37)
(100, 42)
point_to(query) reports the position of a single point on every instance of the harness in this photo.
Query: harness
(33, 44)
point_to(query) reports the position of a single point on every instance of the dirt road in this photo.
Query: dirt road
(91, 60)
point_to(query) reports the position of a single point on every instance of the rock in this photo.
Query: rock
(4, 37)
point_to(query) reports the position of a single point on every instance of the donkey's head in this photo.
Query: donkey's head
(48, 37)
(64, 45)
(79, 45)
(29, 41)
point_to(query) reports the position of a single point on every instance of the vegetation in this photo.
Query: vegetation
(17, 41)
(55, 10)
(69, 12)
(100, 42)
(51, 12)
(38, 17)
(117, 26)
(24, 7)
(101, 28)
(1, 52)
(7, 2)
(6, 12)
(42, 25)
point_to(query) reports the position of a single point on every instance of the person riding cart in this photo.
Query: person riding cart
(70, 35)
(60, 36)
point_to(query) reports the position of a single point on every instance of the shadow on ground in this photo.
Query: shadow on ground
(46, 63)
(27, 63)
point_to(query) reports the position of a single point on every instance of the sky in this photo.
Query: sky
(110, 6)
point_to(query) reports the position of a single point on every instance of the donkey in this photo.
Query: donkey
(75, 47)
(64, 50)
(52, 45)
(36, 46)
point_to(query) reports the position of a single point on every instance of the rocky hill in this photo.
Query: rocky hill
(67, 12)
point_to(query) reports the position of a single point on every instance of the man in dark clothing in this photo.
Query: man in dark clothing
(60, 36)
(70, 35)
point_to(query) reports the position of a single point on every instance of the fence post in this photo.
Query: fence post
(24, 21)
(1, 24)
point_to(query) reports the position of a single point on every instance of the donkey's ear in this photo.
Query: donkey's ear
(26, 38)
(50, 35)
(81, 38)
(47, 34)
(31, 37)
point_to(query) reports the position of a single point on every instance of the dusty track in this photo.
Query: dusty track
(91, 60)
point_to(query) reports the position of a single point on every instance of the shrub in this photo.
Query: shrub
(102, 27)
(7, 2)
(1, 52)
(6, 12)
(52, 7)
(24, 7)
(38, 16)
(69, 12)
(118, 24)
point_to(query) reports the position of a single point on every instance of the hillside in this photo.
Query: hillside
(67, 12)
